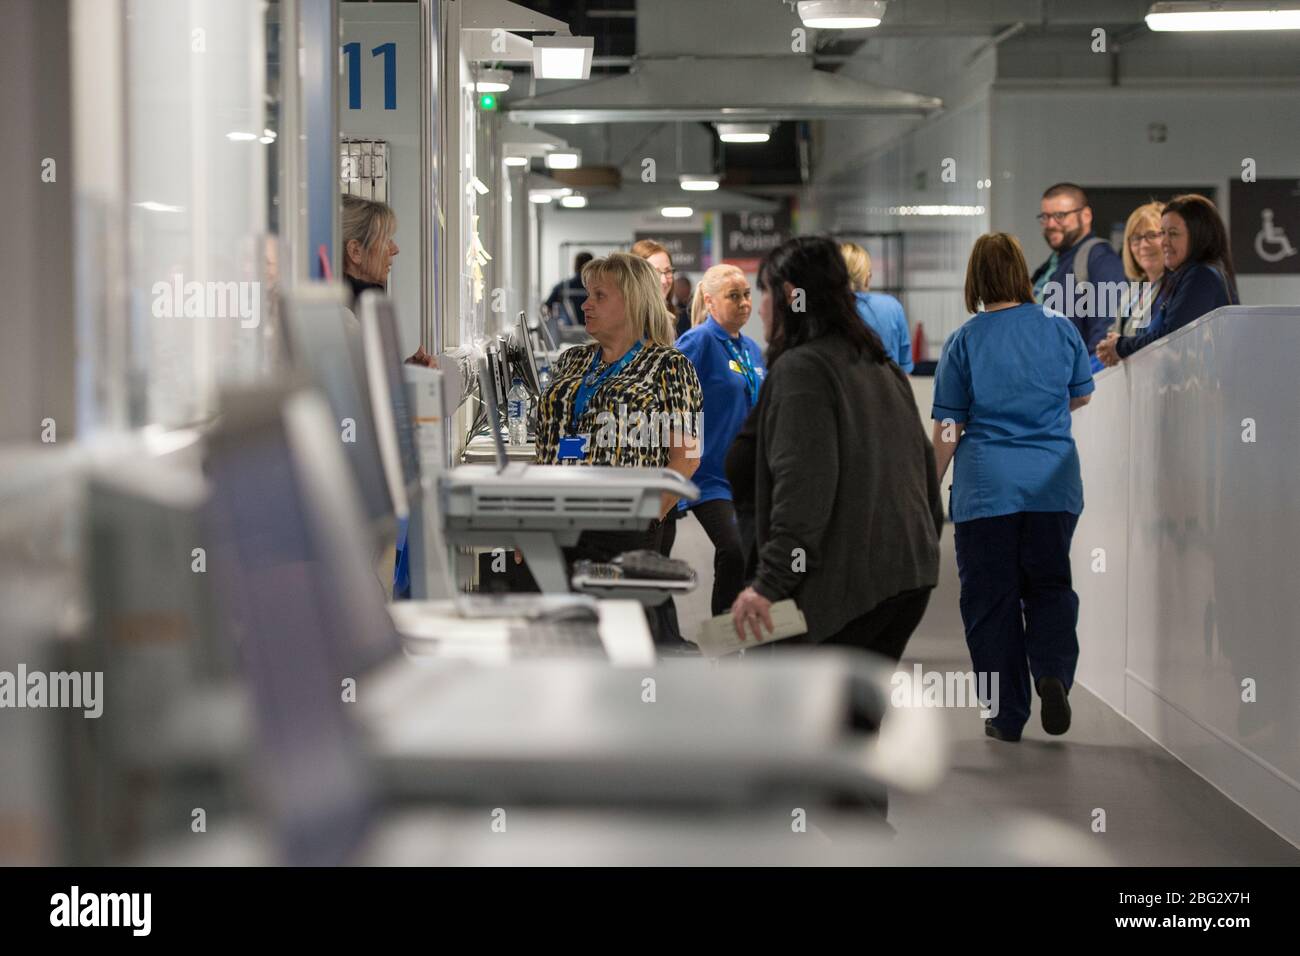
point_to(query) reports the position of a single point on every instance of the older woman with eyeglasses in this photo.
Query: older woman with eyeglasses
(1144, 262)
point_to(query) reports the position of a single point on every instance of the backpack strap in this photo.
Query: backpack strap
(1081, 259)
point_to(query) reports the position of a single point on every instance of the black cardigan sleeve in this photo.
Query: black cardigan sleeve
(803, 462)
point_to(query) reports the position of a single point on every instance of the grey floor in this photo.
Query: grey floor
(1157, 811)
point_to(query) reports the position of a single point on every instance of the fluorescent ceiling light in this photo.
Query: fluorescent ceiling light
(677, 212)
(744, 132)
(841, 14)
(158, 206)
(698, 184)
(1254, 15)
(516, 160)
(539, 196)
(241, 137)
(563, 159)
(936, 210)
(492, 81)
(573, 202)
(562, 58)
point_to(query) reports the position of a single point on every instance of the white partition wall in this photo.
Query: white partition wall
(1192, 488)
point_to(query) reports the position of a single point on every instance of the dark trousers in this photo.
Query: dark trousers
(1017, 603)
(884, 630)
(718, 518)
(887, 627)
(605, 546)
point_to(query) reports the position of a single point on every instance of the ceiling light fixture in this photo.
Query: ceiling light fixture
(492, 81)
(698, 184)
(516, 160)
(841, 14)
(574, 202)
(539, 196)
(1227, 15)
(677, 212)
(562, 58)
(936, 210)
(563, 159)
(744, 132)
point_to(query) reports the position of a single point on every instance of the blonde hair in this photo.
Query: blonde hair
(370, 223)
(858, 261)
(647, 312)
(1147, 212)
(710, 282)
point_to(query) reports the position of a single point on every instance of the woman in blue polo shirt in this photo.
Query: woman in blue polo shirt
(730, 369)
(1003, 392)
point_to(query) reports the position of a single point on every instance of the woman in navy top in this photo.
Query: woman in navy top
(730, 369)
(1003, 392)
(1199, 277)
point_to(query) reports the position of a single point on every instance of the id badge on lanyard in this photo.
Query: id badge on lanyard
(574, 448)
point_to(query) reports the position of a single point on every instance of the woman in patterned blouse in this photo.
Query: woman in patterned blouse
(629, 399)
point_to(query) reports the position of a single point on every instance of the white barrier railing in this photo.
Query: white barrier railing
(1184, 557)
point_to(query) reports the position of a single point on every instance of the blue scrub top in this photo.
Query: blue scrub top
(1009, 376)
(884, 314)
(726, 401)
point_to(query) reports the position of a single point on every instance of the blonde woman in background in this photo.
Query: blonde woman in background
(367, 229)
(731, 371)
(882, 313)
(1144, 261)
(630, 374)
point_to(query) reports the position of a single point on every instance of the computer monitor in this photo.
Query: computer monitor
(325, 340)
(394, 426)
(493, 412)
(498, 364)
(544, 342)
(303, 610)
(523, 355)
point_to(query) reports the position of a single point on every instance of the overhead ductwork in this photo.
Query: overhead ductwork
(706, 89)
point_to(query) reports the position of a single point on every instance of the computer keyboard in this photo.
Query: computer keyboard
(556, 639)
(651, 565)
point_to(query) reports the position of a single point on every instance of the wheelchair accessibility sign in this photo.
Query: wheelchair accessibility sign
(1266, 226)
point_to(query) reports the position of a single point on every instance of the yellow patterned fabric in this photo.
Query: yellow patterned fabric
(630, 417)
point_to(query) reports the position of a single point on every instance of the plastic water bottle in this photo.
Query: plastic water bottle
(517, 413)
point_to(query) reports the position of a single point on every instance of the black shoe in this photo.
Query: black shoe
(1055, 706)
(991, 730)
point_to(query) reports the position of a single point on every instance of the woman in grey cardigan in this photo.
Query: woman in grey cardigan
(846, 498)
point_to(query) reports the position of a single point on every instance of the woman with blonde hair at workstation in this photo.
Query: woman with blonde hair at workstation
(627, 400)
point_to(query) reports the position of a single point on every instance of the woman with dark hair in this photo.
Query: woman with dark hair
(847, 507)
(1006, 384)
(1199, 277)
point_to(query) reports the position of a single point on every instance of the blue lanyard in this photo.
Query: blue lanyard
(746, 369)
(594, 379)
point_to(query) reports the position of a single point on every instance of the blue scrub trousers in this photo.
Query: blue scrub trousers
(1017, 603)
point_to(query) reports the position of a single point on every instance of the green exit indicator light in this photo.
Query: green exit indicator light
(487, 101)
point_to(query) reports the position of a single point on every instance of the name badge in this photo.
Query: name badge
(574, 448)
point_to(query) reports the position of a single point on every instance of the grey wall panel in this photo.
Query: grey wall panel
(1100, 550)
(1213, 521)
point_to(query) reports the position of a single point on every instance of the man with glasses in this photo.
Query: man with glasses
(1066, 220)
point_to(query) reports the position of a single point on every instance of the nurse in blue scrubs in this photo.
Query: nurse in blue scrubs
(1006, 384)
(730, 368)
(882, 313)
